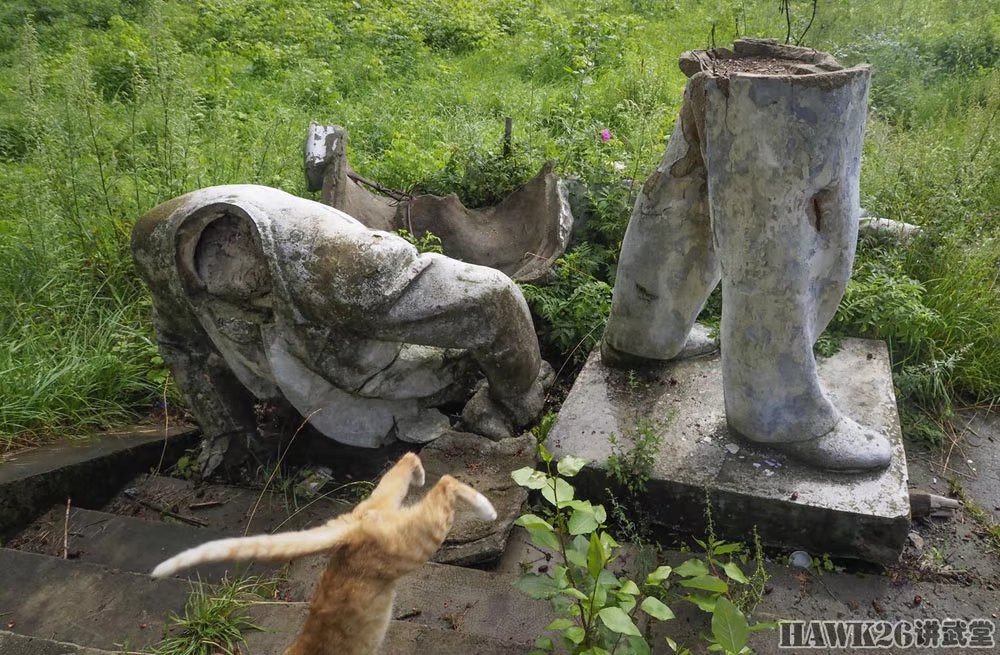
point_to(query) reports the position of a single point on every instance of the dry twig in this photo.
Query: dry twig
(190, 520)
(207, 504)
(395, 194)
(66, 531)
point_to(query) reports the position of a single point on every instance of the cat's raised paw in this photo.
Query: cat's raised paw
(483, 508)
(417, 476)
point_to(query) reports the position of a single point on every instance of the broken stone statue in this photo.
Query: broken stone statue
(521, 236)
(759, 188)
(260, 295)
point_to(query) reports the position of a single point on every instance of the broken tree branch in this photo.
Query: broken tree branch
(190, 520)
(207, 504)
(395, 194)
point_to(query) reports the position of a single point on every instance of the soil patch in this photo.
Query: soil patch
(759, 65)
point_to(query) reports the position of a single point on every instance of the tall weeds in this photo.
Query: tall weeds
(111, 106)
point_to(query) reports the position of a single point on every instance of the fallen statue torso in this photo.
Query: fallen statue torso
(258, 294)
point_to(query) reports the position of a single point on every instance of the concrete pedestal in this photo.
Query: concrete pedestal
(859, 515)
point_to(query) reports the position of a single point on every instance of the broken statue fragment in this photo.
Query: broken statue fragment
(521, 236)
(258, 295)
(758, 188)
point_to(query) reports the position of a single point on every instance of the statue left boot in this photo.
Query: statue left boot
(668, 264)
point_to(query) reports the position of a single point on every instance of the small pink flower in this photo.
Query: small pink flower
(606, 135)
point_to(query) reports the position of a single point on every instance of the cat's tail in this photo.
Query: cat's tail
(268, 547)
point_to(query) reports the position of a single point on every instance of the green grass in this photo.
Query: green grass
(983, 518)
(108, 107)
(215, 620)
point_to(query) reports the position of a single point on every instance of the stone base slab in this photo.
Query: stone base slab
(793, 506)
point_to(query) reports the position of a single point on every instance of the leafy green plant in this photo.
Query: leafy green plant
(426, 242)
(627, 529)
(730, 631)
(544, 426)
(578, 43)
(920, 426)
(718, 586)
(186, 466)
(631, 464)
(604, 612)
(928, 383)
(575, 305)
(597, 609)
(456, 25)
(723, 560)
(480, 177)
(828, 344)
(823, 564)
(878, 298)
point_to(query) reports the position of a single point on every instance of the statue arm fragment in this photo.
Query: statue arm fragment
(451, 304)
(378, 287)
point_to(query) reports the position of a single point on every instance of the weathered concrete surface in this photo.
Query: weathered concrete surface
(415, 639)
(281, 621)
(855, 515)
(957, 546)
(127, 544)
(451, 598)
(14, 644)
(83, 603)
(260, 295)
(978, 466)
(242, 510)
(759, 188)
(486, 466)
(464, 611)
(91, 471)
(783, 157)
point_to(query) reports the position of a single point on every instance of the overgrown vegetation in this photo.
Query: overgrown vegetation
(427, 242)
(215, 619)
(600, 609)
(631, 461)
(574, 305)
(983, 518)
(108, 107)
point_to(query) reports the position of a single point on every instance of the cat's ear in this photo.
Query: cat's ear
(395, 484)
(418, 476)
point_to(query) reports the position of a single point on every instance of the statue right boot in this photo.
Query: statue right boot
(783, 159)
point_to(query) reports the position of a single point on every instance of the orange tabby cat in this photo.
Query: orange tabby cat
(370, 549)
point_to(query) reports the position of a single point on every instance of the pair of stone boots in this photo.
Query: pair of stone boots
(758, 188)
